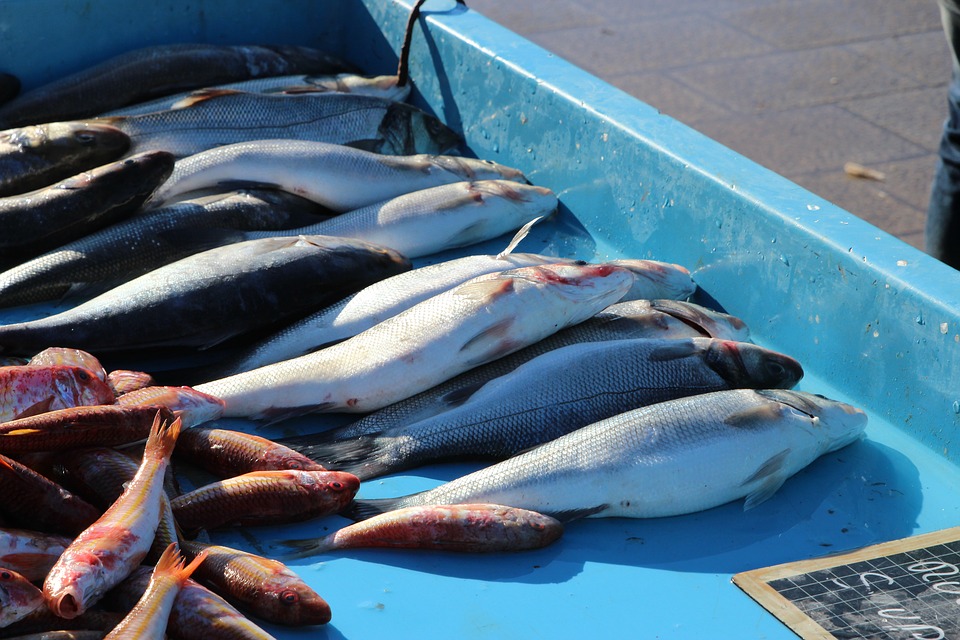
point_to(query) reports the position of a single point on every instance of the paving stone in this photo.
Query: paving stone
(804, 141)
(915, 115)
(793, 79)
(818, 23)
(923, 56)
(528, 16)
(670, 97)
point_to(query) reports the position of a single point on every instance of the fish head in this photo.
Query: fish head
(289, 601)
(338, 487)
(76, 357)
(472, 169)
(78, 386)
(748, 366)
(839, 423)
(70, 141)
(531, 199)
(654, 279)
(577, 282)
(706, 321)
(18, 597)
(74, 583)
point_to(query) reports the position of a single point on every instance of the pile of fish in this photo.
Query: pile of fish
(270, 229)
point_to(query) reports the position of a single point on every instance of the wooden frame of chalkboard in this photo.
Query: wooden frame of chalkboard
(908, 588)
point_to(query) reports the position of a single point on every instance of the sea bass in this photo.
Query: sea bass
(37, 156)
(212, 119)
(668, 459)
(483, 319)
(335, 176)
(625, 320)
(148, 72)
(557, 393)
(107, 551)
(40, 220)
(470, 528)
(212, 296)
(132, 247)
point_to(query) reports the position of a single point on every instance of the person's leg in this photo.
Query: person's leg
(942, 237)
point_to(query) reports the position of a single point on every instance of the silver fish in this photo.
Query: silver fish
(481, 320)
(335, 176)
(215, 118)
(148, 72)
(622, 321)
(37, 156)
(671, 458)
(209, 297)
(377, 86)
(37, 221)
(129, 248)
(559, 392)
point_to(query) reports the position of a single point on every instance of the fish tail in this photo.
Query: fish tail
(172, 562)
(356, 456)
(306, 547)
(162, 438)
(364, 509)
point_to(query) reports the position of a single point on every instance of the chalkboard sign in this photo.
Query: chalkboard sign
(903, 589)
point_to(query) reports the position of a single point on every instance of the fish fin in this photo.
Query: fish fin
(771, 475)
(162, 438)
(490, 344)
(230, 185)
(272, 415)
(518, 238)
(456, 397)
(353, 456)
(575, 514)
(755, 417)
(485, 289)
(363, 509)
(372, 145)
(41, 406)
(303, 548)
(202, 95)
(673, 350)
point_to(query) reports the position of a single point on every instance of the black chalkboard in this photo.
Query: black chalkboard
(907, 588)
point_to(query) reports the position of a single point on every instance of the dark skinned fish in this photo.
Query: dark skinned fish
(622, 321)
(37, 156)
(40, 220)
(216, 118)
(130, 248)
(212, 296)
(150, 72)
(559, 392)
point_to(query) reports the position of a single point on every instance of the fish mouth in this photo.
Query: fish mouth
(66, 605)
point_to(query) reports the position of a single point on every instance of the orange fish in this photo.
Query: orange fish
(108, 551)
(30, 553)
(29, 389)
(228, 453)
(148, 618)
(18, 597)
(192, 406)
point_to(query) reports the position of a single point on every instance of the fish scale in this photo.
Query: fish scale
(670, 458)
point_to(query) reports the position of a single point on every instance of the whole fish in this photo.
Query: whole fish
(624, 320)
(149, 617)
(30, 553)
(107, 551)
(671, 458)
(212, 296)
(148, 72)
(220, 117)
(376, 86)
(37, 221)
(90, 426)
(191, 406)
(228, 453)
(432, 220)
(369, 306)
(27, 390)
(335, 176)
(481, 320)
(18, 597)
(101, 473)
(197, 612)
(37, 156)
(75, 357)
(29, 499)
(559, 392)
(265, 497)
(472, 528)
(132, 247)
(262, 586)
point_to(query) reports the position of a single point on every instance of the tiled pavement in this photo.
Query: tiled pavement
(799, 86)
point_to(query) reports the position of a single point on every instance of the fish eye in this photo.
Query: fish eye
(776, 368)
(539, 526)
(85, 137)
(83, 375)
(336, 485)
(289, 597)
(6, 575)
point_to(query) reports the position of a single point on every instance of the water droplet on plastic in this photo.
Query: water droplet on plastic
(812, 207)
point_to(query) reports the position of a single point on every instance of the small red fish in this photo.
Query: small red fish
(193, 407)
(18, 597)
(265, 497)
(473, 528)
(32, 500)
(30, 553)
(99, 425)
(29, 390)
(229, 453)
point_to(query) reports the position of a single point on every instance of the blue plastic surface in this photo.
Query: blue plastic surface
(873, 321)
